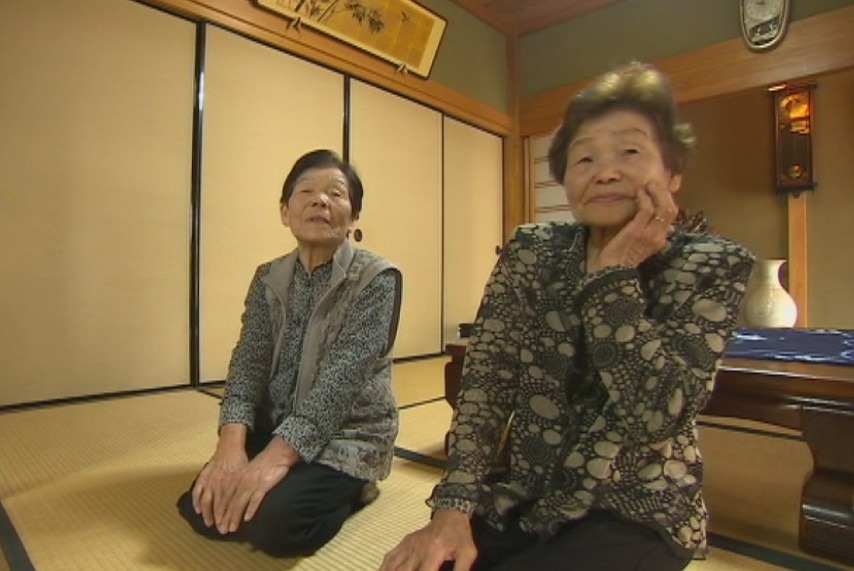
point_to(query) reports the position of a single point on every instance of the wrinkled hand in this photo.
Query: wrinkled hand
(252, 483)
(644, 235)
(446, 538)
(216, 482)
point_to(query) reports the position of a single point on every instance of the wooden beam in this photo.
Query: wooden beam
(551, 12)
(798, 270)
(814, 46)
(515, 211)
(488, 16)
(246, 18)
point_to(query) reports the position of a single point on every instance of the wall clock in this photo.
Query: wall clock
(793, 114)
(763, 22)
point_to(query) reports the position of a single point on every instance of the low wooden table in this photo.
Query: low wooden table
(816, 399)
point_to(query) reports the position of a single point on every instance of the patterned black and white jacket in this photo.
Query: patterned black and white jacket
(313, 360)
(601, 378)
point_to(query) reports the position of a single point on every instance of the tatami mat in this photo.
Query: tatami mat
(92, 486)
(418, 381)
(422, 429)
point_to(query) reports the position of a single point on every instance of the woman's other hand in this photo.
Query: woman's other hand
(216, 481)
(446, 538)
(253, 482)
(644, 235)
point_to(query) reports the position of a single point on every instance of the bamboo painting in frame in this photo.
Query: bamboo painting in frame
(399, 31)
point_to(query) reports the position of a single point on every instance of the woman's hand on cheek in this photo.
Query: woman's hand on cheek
(662, 202)
(644, 235)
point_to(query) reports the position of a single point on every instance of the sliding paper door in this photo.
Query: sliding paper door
(96, 110)
(263, 109)
(396, 145)
(474, 182)
(547, 195)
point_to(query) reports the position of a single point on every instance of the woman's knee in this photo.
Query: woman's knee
(284, 533)
(285, 540)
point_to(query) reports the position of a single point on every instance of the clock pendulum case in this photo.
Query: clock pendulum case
(793, 130)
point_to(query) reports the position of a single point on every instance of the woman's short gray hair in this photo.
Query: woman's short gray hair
(636, 86)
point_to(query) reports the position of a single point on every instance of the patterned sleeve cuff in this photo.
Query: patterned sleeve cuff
(454, 496)
(302, 435)
(458, 504)
(237, 413)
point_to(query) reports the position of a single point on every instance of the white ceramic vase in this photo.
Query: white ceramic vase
(766, 303)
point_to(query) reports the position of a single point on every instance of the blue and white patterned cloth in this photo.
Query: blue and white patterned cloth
(828, 346)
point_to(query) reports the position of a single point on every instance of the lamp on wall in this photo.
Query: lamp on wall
(793, 129)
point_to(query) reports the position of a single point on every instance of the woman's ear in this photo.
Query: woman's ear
(675, 183)
(283, 212)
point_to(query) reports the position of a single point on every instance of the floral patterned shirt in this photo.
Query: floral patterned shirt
(600, 377)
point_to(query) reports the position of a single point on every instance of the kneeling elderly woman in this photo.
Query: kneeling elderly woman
(598, 342)
(308, 419)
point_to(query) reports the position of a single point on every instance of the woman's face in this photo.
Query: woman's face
(319, 211)
(609, 160)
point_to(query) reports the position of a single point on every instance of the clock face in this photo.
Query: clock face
(762, 10)
(763, 22)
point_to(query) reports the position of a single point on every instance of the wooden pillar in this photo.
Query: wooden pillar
(515, 211)
(798, 210)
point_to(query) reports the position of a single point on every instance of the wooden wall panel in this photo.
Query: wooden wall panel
(515, 198)
(95, 142)
(798, 255)
(813, 46)
(829, 247)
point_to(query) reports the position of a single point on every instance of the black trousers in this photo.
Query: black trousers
(599, 542)
(298, 516)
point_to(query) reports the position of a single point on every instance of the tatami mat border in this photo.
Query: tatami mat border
(420, 458)
(91, 398)
(419, 403)
(11, 545)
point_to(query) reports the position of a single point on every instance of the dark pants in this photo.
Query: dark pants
(298, 516)
(599, 542)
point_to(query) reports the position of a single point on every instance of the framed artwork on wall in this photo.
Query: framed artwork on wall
(400, 31)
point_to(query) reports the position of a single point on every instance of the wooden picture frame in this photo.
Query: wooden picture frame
(400, 31)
